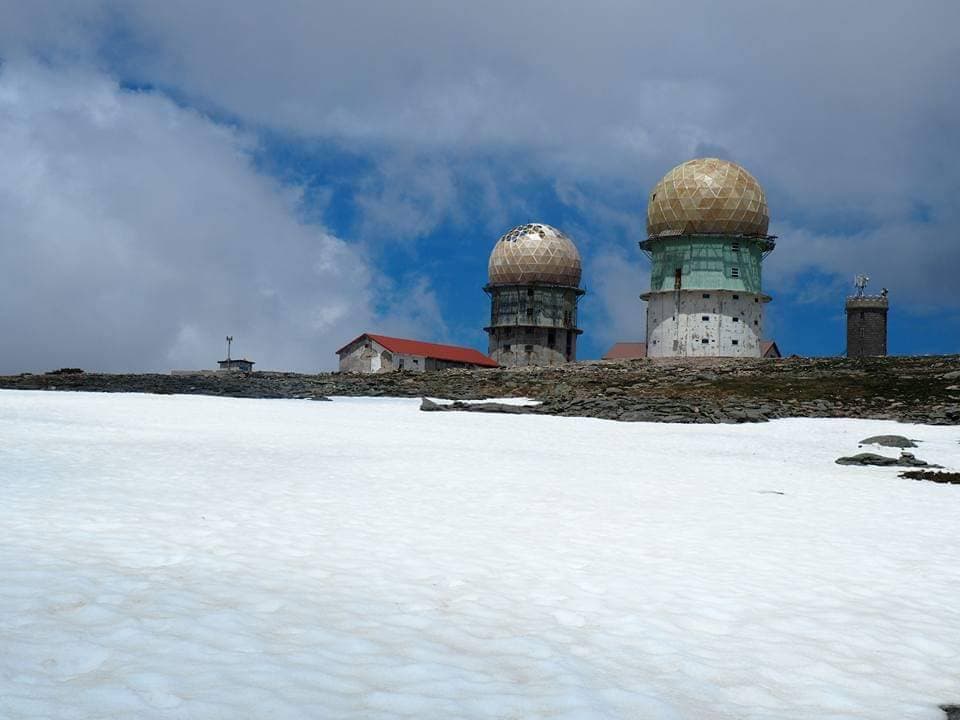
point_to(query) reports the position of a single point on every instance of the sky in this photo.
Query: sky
(295, 173)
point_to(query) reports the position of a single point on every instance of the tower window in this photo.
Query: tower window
(734, 342)
(756, 322)
(735, 246)
(704, 341)
(552, 338)
(677, 278)
(735, 272)
(706, 296)
(704, 317)
(529, 292)
(528, 348)
(736, 297)
(736, 319)
(756, 300)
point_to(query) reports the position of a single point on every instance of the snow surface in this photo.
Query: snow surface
(194, 557)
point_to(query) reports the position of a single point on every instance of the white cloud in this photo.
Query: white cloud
(842, 110)
(136, 234)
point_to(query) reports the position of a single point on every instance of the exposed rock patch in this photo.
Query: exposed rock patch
(706, 390)
(905, 460)
(894, 441)
(950, 478)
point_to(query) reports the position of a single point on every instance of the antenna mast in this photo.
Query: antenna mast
(229, 340)
(861, 283)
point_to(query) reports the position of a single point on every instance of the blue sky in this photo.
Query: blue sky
(297, 173)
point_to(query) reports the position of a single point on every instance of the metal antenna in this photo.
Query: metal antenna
(229, 340)
(861, 282)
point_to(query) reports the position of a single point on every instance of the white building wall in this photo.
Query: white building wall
(704, 323)
(409, 363)
(366, 356)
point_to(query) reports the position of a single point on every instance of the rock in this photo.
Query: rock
(866, 459)
(487, 407)
(952, 711)
(905, 460)
(897, 441)
(937, 476)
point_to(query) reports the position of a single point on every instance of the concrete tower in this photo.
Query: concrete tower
(866, 322)
(534, 288)
(707, 236)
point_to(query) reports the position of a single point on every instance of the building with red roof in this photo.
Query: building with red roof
(371, 353)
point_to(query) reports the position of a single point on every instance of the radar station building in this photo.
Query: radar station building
(534, 287)
(707, 222)
(866, 322)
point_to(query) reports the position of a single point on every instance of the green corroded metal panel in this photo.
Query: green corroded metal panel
(706, 262)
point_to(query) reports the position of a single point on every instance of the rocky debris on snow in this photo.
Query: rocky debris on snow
(905, 460)
(952, 711)
(701, 390)
(488, 407)
(894, 441)
(950, 478)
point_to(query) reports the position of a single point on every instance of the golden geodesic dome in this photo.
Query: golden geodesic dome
(707, 195)
(534, 253)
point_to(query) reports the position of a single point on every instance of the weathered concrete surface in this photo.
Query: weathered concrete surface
(708, 390)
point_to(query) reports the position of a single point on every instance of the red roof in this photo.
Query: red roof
(451, 353)
(627, 351)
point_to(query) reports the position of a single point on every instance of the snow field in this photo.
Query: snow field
(193, 557)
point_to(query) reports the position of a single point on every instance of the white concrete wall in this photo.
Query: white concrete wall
(409, 363)
(366, 356)
(685, 323)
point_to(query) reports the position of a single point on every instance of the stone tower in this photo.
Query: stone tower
(534, 287)
(707, 236)
(866, 322)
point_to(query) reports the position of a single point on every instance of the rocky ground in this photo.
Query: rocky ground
(909, 389)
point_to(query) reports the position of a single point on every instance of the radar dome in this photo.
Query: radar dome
(709, 196)
(534, 253)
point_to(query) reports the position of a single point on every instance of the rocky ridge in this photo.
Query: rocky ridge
(709, 390)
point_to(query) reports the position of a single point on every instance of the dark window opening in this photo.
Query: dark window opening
(734, 272)
(736, 297)
(569, 346)
(756, 299)
(552, 338)
(736, 319)
(530, 292)
(706, 296)
(735, 246)
(756, 322)
(704, 341)
(528, 348)
(734, 342)
(704, 317)
(677, 278)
